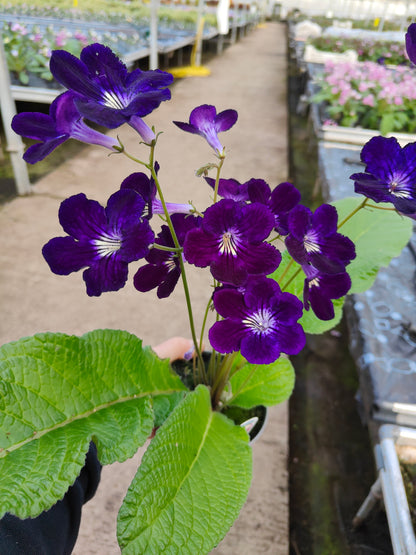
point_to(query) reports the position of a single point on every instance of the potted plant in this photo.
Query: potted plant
(278, 270)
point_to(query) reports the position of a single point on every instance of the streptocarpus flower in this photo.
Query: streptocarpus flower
(313, 239)
(163, 270)
(411, 42)
(107, 93)
(261, 322)
(281, 201)
(146, 188)
(390, 173)
(319, 290)
(63, 122)
(103, 240)
(205, 121)
(230, 188)
(231, 241)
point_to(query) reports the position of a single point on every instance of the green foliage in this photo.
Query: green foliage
(191, 484)
(59, 392)
(379, 235)
(260, 384)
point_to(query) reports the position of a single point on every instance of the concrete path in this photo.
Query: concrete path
(250, 77)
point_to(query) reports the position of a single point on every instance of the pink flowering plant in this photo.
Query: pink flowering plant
(381, 52)
(368, 95)
(278, 271)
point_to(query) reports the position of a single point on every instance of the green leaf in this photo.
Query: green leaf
(59, 392)
(191, 484)
(163, 405)
(387, 123)
(379, 235)
(261, 384)
(290, 276)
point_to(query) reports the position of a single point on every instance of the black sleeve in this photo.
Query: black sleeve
(54, 532)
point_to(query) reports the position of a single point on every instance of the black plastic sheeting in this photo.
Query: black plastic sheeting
(382, 321)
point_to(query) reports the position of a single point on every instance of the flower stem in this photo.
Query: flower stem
(290, 279)
(150, 166)
(217, 177)
(345, 220)
(181, 264)
(222, 378)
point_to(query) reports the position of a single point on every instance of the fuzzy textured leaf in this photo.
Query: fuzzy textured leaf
(379, 236)
(261, 384)
(196, 455)
(59, 392)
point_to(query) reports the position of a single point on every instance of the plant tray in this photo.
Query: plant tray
(350, 135)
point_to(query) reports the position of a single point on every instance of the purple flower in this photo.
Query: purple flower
(319, 290)
(103, 240)
(205, 121)
(261, 322)
(231, 241)
(313, 239)
(281, 201)
(63, 122)
(163, 270)
(411, 42)
(230, 188)
(106, 92)
(146, 188)
(390, 173)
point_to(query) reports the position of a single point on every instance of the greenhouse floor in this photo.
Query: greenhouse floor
(249, 76)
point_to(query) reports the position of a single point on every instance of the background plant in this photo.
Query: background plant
(368, 95)
(386, 52)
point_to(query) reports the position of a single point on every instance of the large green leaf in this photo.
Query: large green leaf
(290, 276)
(261, 384)
(59, 392)
(191, 484)
(379, 235)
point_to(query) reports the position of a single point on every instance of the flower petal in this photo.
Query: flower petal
(106, 274)
(38, 152)
(65, 255)
(225, 120)
(82, 218)
(225, 336)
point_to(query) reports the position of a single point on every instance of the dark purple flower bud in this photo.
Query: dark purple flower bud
(103, 240)
(205, 121)
(390, 173)
(63, 122)
(163, 270)
(146, 187)
(261, 322)
(411, 42)
(313, 239)
(231, 241)
(106, 92)
(319, 290)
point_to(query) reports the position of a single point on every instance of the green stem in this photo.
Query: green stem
(168, 249)
(290, 279)
(222, 378)
(217, 177)
(150, 166)
(285, 271)
(353, 212)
